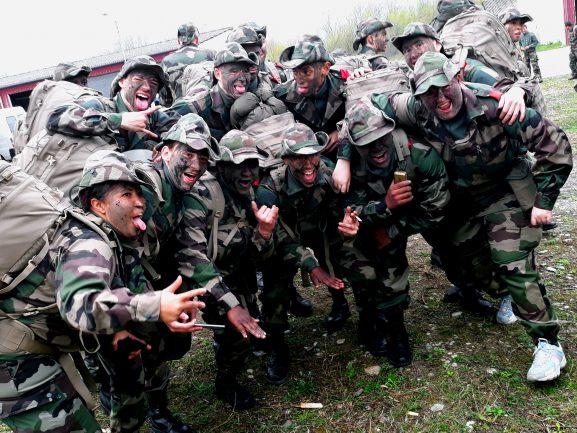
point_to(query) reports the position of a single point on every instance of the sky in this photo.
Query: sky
(39, 34)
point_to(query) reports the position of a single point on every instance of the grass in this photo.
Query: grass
(549, 46)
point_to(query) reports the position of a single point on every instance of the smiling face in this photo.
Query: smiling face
(233, 78)
(310, 77)
(444, 102)
(515, 29)
(378, 153)
(185, 165)
(138, 89)
(239, 177)
(415, 47)
(304, 167)
(122, 206)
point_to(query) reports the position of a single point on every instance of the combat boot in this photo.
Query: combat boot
(277, 359)
(231, 392)
(399, 348)
(299, 306)
(340, 311)
(161, 418)
(472, 301)
(371, 332)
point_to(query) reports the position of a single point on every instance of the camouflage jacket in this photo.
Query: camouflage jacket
(97, 289)
(429, 186)
(573, 38)
(303, 212)
(320, 112)
(529, 41)
(479, 151)
(176, 243)
(103, 116)
(377, 61)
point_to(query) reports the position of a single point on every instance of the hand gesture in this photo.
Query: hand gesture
(173, 305)
(512, 106)
(244, 322)
(349, 226)
(399, 194)
(137, 121)
(266, 218)
(320, 276)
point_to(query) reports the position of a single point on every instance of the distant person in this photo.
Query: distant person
(571, 28)
(529, 43)
(72, 73)
(371, 37)
(513, 21)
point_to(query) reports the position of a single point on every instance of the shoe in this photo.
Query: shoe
(548, 360)
(277, 364)
(231, 392)
(161, 418)
(505, 315)
(436, 259)
(475, 303)
(336, 319)
(452, 295)
(299, 306)
(549, 226)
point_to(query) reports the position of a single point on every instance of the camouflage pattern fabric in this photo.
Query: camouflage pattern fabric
(532, 63)
(376, 60)
(102, 116)
(511, 14)
(244, 35)
(414, 29)
(187, 33)
(142, 62)
(64, 71)
(366, 27)
(235, 53)
(448, 9)
(308, 49)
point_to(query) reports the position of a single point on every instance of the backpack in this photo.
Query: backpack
(478, 34)
(196, 75)
(58, 159)
(349, 63)
(386, 80)
(47, 96)
(216, 212)
(268, 134)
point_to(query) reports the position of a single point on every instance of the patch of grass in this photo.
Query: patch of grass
(549, 46)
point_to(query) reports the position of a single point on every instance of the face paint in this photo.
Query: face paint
(515, 29)
(304, 168)
(444, 102)
(380, 41)
(138, 90)
(185, 165)
(309, 78)
(122, 207)
(415, 47)
(240, 177)
(378, 153)
(234, 78)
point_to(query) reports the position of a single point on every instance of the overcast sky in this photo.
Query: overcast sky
(37, 34)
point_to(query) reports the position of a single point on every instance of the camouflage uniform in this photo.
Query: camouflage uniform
(173, 64)
(102, 116)
(573, 51)
(214, 105)
(67, 71)
(96, 287)
(448, 9)
(480, 152)
(530, 42)
(367, 26)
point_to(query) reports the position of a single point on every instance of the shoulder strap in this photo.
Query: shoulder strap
(217, 211)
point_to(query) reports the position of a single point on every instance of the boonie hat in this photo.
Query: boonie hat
(368, 26)
(63, 71)
(365, 123)
(433, 69)
(511, 14)
(299, 139)
(412, 30)
(237, 146)
(192, 130)
(244, 35)
(144, 62)
(308, 49)
(234, 53)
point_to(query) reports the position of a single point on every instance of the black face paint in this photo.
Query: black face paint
(186, 165)
(304, 168)
(240, 177)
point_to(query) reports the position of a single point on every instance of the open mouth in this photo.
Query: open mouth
(239, 88)
(444, 107)
(379, 158)
(142, 101)
(189, 177)
(138, 223)
(245, 183)
(309, 176)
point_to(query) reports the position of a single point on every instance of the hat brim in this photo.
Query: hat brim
(373, 135)
(311, 147)
(241, 155)
(437, 80)
(200, 144)
(525, 18)
(155, 69)
(398, 41)
(286, 61)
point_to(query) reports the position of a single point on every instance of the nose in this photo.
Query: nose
(139, 201)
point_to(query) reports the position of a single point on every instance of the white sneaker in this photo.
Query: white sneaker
(505, 314)
(548, 360)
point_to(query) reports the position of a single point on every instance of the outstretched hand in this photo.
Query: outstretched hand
(349, 226)
(244, 322)
(178, 310)
(137, 121)
(320, 276)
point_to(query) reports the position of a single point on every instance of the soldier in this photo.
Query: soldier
(173, 64)
(371, 36)
(458, 118)
(239, 239)
(232, 72)
(529, 43)
(93, 279)
(391, 211)
(571, 28)
(72, 73)
(513, 20)
(308, 222)
(448, 9)
(128, 118)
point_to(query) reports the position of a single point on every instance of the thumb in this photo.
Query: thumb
(174, 286)
(254, 207)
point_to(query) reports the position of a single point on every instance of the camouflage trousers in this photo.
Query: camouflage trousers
(573, 61)
(532, 62)
(37, 396)
(509, 245)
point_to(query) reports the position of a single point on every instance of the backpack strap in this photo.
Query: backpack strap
(217, 211)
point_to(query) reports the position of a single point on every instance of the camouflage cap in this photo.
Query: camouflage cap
(234, 53)
(244, 35)
(368, 26)
(454, 7)
(237, 146)
(412, 30)
(433, 69)
(142, 62)
(261, 30)
(187, 33)
(308, 49)
(192, 130)
(299, 139)
(365, 123)
(64, 71)
(511, 14)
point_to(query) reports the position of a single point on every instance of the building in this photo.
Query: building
(15, 89)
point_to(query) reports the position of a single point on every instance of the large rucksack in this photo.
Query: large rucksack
(58, 159)
(478, 34)
(195, 76)
(386, 80)
(46, 96)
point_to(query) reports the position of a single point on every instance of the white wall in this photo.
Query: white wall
(548, 22)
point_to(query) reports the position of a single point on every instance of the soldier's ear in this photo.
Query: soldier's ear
(325, 69)
(217, 73)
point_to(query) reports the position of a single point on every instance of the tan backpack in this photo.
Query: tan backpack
(386, 80)
(267, 135)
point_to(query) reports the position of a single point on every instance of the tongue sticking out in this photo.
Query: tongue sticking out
(139, 223)
(141, 104)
